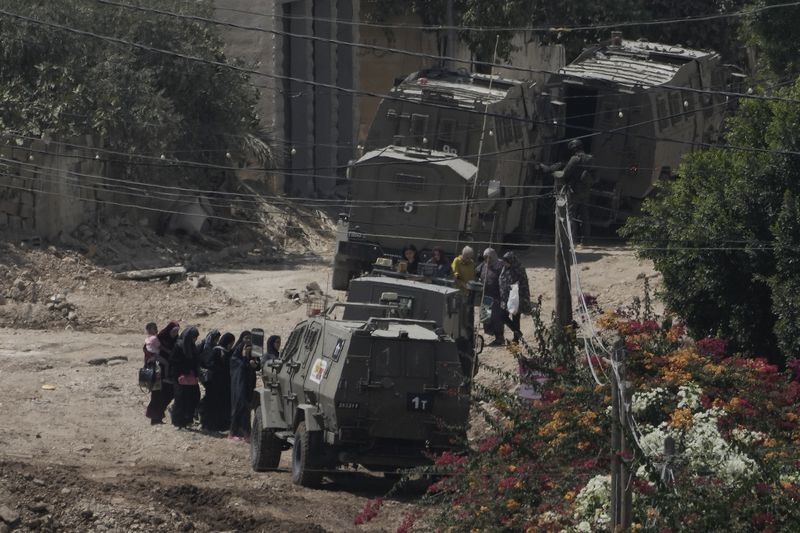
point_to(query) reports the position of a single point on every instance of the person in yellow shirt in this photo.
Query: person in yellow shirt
(464, 268)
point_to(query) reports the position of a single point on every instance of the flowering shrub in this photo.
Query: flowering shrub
(713, 439)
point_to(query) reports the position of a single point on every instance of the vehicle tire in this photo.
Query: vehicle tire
(341, 276)
(265, 447)
(305, 455)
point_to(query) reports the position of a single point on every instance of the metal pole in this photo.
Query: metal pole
(616, 445)
(471, 204)
(563, 258)
(450, 41)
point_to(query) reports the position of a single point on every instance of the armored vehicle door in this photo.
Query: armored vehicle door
(291, 367)
(302, 360)
(402, 386)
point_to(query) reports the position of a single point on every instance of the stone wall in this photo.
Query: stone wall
(46, 187)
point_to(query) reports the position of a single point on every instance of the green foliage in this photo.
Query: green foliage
(785, 283)
(720, 34)
(729, 199)
(135, 100)
(776, 33)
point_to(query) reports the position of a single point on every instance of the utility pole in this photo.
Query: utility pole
(620, 475)
(450, 39)
(563, 258)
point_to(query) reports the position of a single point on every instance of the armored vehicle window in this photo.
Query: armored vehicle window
(420, 361)
(407, 182)
(385, 361)
(293, 343)
(661, 104)
(419, 125)
(675, 107)
(312, 334)
(447, 129)
(337, 350)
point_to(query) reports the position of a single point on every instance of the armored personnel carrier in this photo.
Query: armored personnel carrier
(383, 393)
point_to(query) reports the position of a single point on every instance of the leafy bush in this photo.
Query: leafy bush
(724, 234)
(544, 464)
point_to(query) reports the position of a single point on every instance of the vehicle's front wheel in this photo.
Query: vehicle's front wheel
(305, 458)
(265, 447)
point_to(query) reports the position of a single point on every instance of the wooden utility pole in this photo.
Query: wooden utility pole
(620, 475)
(563, 311)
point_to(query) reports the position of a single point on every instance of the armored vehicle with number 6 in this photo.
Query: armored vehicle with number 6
(384, 393)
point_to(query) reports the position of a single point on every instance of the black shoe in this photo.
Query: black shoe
(498, 342)
(154, 422)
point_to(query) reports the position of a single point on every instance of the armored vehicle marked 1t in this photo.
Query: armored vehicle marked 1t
(382, 393)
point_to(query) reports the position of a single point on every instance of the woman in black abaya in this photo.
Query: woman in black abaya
(185, 367)
(215, 407)
(243, 383)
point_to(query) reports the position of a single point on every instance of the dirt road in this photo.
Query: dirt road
(77, 454)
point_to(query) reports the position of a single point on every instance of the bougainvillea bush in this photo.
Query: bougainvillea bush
(731, 422)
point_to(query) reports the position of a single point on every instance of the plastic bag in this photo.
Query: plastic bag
(512, 306)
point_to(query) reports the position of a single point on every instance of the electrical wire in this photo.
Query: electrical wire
(541, 29)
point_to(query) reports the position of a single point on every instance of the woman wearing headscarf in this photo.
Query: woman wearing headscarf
(514, 273)
(488, 273)
(215, 407)
(410, 257)
(442, 264)
(209, 342)
(186, 367)
(159, 399)
(243, 383)
(273, 349)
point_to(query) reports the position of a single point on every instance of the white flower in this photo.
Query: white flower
(642, 401)
(592, 502)
(747, 437)
(689, 396)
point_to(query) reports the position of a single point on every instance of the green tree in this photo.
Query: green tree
(136, 101)
(720, 34)
(776, 34)
(717, 234)
(785, 282)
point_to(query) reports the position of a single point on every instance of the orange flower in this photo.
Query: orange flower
(512, 504)
(583, 445)
(504, 449)
(512, 468)
(681, 419)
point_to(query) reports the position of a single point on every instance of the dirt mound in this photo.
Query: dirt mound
(58, 498)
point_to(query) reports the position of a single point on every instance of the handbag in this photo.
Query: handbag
(187, 379)
(150, 377)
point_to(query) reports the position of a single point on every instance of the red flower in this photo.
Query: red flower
(369, 511)
(713, 347)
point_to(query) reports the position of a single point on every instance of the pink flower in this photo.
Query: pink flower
(713, 347)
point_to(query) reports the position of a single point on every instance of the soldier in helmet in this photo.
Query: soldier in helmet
(575, 176)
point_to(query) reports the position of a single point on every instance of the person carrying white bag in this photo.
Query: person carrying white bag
(515, 294)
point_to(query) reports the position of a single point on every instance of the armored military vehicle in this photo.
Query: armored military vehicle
(423, 148)
(638, 107)
(416, 297)
(382, 393)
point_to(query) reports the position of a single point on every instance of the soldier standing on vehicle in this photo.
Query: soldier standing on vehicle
(575, 176)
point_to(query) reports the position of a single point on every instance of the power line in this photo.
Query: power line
(542, 29)
(327, 85)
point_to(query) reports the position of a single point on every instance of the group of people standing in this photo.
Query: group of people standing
(224, 365)
(498, 276)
